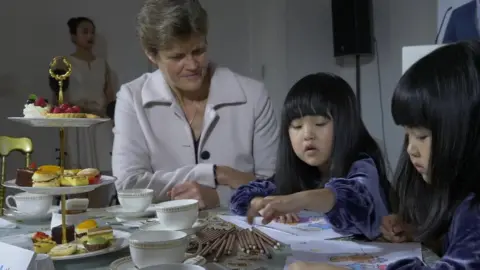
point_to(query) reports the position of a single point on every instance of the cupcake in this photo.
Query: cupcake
(96, 243)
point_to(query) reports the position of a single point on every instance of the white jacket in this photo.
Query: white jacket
(153, 145)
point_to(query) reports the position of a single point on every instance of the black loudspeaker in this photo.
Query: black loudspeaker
(352, 27)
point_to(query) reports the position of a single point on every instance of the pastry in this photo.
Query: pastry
(53, 169)
(71, 172)
(76, 206)
(45, 179)
(39, 236)
(63, 250)
(91, 116)
(44, 246)
(66, 111)
(82, 229)
(36, 107)
(92, 174)
(96, 243)
(73, 181)
(24, 177)
(57, 234)
(105, 232)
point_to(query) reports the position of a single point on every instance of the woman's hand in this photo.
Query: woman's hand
(314, 266)
(273, 207)
(207, 197)
(288, 218)
(233, 178)
(394, 229)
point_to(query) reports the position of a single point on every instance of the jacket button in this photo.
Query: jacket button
(205, 155)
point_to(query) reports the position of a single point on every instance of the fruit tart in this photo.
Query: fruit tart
(36, 107)
(66, 111)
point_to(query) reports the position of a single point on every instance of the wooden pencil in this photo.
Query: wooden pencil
(220, 251)
(257, 242)
(230, 243)
(250, 238)
(266, 251)
(243, 244)
(260, 233)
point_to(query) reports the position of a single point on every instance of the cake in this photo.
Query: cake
(82, 229)
(66, 111)
(105, 232)
(57, 234)
(92, 174)
(36, 107)
(45, 179)
(76, 206)
(42, 243)
(24, 177)
(96, 243)
(73, 181)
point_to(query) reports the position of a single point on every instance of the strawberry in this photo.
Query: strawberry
(93, 180)
(68, 110)
(76, 109)
(40, 235)
(64, 106)
(57, 110)
(33, 165)
(40, 102)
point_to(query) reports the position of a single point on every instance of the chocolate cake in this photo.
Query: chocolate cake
(57, 234)
(24, 177)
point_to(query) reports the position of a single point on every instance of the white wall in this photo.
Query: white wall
(278, 41)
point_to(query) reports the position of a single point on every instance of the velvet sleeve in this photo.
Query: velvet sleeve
(244, 194)
(462, 250)
(360, 201)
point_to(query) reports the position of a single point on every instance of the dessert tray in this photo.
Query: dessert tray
(59, 122)
(64, 190)
(121, 242)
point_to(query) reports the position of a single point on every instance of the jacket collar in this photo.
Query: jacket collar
(224, 89)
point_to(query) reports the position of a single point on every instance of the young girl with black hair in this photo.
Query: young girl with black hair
(327, 162)
(437, 101)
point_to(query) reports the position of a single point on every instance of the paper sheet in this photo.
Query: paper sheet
(312, 225)
(354, 255)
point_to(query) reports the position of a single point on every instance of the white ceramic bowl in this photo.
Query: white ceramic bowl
(177, 214)
(157, 247)
(135, 200)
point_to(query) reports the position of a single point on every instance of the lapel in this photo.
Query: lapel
(225, 90)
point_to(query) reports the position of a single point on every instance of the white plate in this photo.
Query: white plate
(27, 217)
(120, 212)
(126, 263)
(121, 242)
(59, 122)
(22, 240)
(105, 180)
(199, 225)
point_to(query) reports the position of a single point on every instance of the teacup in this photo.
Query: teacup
(30, 204)
(135, 200)
(149, 248)
(173, 266)
(177, 214)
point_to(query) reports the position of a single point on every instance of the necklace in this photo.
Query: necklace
(194, 115)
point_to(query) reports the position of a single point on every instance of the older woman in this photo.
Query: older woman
(190, 129)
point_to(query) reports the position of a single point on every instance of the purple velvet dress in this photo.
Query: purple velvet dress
(360, 200)
(461, 246)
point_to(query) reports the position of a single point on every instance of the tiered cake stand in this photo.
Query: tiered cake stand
(60, 123)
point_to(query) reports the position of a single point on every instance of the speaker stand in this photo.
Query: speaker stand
(357, 83)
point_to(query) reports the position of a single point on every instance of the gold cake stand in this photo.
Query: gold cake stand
(60, 123)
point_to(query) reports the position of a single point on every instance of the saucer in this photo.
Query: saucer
(126, 263)
(19, 216)
(199, 225)
(120, 212)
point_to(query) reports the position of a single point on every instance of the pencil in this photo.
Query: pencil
(266, 240)
(265, 248)
(230, 243)
(276, 243)
(220, 251)
(257, 242)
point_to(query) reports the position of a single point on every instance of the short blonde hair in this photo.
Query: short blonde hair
(162, 23)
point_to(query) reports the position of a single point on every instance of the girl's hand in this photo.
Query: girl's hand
(394, 229)
(288, 218)
(272, 207)
(314, 266)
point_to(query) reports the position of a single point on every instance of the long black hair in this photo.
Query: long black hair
(330, 96)
(440, 92)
